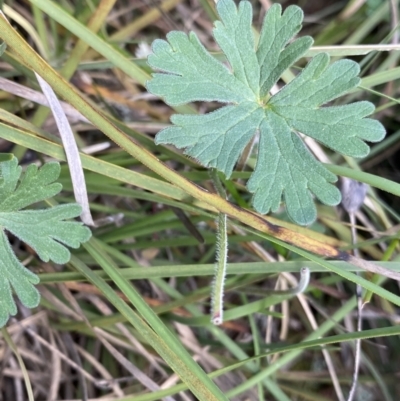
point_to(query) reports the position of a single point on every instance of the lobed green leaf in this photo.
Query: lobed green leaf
(285, 167)
(34, 186)
(43, 230)
(17, 277)
(46, 232)
(193, 73)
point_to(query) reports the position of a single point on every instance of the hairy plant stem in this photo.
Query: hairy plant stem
(217, 297)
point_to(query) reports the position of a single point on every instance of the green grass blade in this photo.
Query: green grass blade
(168, 346)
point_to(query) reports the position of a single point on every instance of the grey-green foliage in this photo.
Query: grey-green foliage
(44, 230)
(284, 165)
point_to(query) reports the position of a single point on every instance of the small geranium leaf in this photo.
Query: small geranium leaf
(285, 167)
(35, 185)
(14, 276)
(45, 230)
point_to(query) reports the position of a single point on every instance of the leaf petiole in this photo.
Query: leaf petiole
(217, 297)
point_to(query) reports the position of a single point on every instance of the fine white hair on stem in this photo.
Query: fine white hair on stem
(217, 297)
(217, 294)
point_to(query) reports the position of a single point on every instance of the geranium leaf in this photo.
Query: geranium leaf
(44, 230)
(285, 167)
